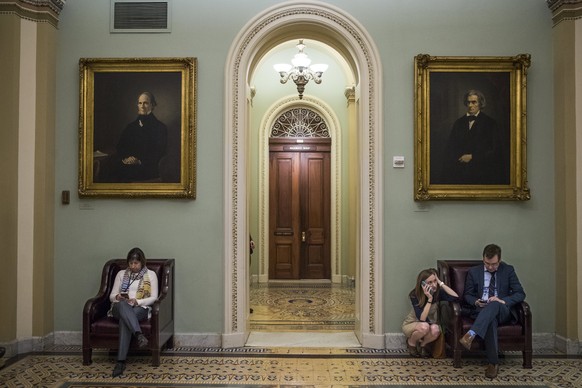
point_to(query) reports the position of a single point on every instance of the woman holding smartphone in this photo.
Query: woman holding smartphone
(135, 289)
(421, 326)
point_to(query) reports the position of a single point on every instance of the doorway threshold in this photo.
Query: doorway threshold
(297, 339)
(299, 281)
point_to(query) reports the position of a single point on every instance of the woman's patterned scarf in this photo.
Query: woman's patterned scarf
(144, 288)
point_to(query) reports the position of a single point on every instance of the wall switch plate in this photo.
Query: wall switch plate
(398, 161)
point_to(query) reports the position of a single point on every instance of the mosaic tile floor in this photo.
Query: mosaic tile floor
(301, 306)
(331, 368)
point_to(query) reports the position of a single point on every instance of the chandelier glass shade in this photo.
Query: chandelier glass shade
(300, 70)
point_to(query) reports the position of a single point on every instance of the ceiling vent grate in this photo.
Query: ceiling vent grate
(140, 16)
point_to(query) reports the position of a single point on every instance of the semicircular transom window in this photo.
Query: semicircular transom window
(300, 122)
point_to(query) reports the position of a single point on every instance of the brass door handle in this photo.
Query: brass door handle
(302, 236)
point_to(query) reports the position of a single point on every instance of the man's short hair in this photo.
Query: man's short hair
(491, 251)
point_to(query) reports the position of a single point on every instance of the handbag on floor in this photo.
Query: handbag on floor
(438, 347)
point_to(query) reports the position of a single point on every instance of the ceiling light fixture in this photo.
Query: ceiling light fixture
(300, 71)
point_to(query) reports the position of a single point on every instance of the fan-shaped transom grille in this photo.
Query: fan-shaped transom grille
(300, 122)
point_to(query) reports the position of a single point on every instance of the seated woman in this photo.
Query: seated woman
(133, 292)
(421, 326)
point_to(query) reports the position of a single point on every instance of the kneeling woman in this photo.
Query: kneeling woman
(421, 326)
(133, 292)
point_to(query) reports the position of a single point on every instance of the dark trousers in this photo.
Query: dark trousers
(129, 317)
(485, 326)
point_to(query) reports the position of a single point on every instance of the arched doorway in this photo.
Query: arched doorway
(332, 26)
(333, 128)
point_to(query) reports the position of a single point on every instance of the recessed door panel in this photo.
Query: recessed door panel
(299, 212)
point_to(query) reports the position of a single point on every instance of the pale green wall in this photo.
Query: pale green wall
(192, 231)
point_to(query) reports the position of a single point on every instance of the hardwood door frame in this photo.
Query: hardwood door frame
(332, 121)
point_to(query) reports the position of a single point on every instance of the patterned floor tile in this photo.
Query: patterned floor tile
(297, 306)
(276, 370)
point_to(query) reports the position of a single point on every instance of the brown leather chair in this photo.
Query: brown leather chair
(516, 336)
(101, 331)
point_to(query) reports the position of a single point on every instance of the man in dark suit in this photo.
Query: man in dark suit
(141, 145)
(491, 291)
(473, 154)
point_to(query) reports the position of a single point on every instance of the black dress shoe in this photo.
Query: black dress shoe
(119, 368)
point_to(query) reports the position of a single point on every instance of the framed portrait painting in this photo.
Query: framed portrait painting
(137, 129)
(470, 128)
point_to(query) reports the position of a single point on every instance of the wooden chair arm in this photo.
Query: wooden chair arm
(163, 308)
(523, 312)
(96, 307)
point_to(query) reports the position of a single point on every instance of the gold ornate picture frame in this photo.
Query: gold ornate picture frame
(137, 129)
(462, 157)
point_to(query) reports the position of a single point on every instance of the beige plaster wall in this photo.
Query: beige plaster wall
(44, 200)
(9, 46)
(566, 180)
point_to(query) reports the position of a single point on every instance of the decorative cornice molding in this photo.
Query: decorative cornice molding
(40, 11)
(565, 10)
(554, 4)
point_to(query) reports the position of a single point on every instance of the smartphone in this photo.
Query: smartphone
(430, 290)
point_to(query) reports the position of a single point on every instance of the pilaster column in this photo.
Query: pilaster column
(567, 39)
(353, 166)
(27, 74)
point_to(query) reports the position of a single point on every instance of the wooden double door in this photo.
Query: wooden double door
(299, 208)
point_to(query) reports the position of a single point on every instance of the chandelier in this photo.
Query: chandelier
(300, 71)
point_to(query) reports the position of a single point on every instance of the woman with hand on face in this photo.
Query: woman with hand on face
(421, 326)
(134, 291)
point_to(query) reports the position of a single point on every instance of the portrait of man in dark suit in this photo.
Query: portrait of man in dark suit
(474, 150)
(132, 144)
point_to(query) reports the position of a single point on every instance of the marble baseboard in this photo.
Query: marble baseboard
(71, 338)
(544, 341)
(198, 340)
(394, 341)
(568, 346)
(26, 345)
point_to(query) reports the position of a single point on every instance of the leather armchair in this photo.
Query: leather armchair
(101, 331)
(511, 337)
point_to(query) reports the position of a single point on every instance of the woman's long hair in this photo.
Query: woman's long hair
(136, 254)
(418, 291)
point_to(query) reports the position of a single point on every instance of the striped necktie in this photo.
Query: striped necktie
(492, 287)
